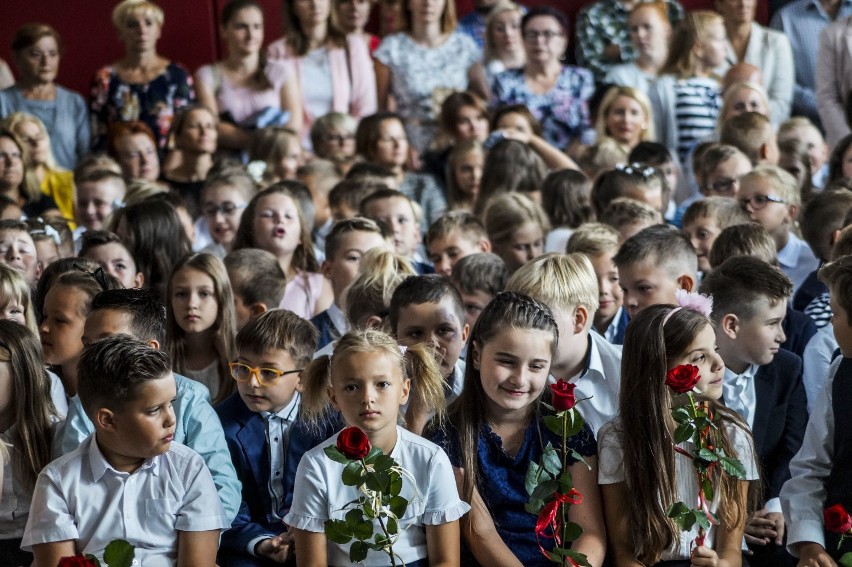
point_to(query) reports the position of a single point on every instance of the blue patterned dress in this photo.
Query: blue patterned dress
(502, 482)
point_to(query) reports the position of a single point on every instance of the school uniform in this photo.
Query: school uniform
(810, 289)
(797, 260)
(81, 497)
(798, 329)
(819, 355)
(618, 326)
(331, 325)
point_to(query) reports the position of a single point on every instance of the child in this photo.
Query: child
(771, 198)
(816, 473)
(793, 158)
(18, 251)
(15, 298)
(97, 193)
(273, 221)
(600, 243)
(127, 390)
(345, 198)
(27, 417)
(722, 166)
(629, 216)
(660, 158)
(257, 282)
(464, 174)
(201, 322)
(801, 128)
(106, 249)
(275, 155)
(566, 198)
(568, 286)
(454, 236)
(223, 199)
(636, 450)
(516, 227)
(478, 279)
(428, 309)
(653, 265)
(397, 211)
(259, 422)
(496, 428)
(639, 182)
(345, 246)
(319, 176)
(752, 134)
(46, 240)
(600, 157)
(511, 166)
(368, 370)
(762, 383)
(705, 219)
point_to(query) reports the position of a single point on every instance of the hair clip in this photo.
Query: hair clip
(256, 169)
(634, 168)
(693, 301)
(403, 349)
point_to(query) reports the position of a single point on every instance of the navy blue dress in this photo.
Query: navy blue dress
(502, 483)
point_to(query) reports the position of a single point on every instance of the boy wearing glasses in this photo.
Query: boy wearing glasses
(771, 198)
(262, 434)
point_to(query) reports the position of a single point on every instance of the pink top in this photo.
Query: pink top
(242, 102)
(354, 82)
(302, 293)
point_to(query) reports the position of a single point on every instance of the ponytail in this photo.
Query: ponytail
(427, 388)
(314, 382)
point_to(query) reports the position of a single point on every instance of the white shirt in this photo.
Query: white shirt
(797, 260)
(803, 496)
(456, 381)
(612, 329)
(81, 497)
(738, 391)
(611, 471)
(319, 495)
(816, 361)
(338, 319)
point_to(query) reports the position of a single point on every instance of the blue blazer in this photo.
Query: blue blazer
(799, 328)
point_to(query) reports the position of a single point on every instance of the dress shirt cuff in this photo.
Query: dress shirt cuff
(253, 544)
(802, 531)
(773, 505)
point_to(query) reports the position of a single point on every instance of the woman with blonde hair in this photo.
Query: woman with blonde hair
(18, 179)
(624, 115)
(504, 46)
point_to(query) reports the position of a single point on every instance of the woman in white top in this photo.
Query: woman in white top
(245, 84)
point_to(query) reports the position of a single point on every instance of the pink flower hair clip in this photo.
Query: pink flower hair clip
(693, 301)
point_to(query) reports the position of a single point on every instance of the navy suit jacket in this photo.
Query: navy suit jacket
(798, 328)
(780, 418)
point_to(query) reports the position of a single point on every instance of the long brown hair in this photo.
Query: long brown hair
(686, 35)
(294, 35)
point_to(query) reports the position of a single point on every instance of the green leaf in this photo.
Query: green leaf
(707, 455)
(352, 473)
(337, 531)
(545, 490)
(397, 506)
(551, 460)
(94, 560)
(334, 454)
(579, 558)
(383, 463)
(374, 482)
(846, 559)
(393, 526)
(684, 432)
(534, 506)
(380, 541)
(702, 519)
(533, 476)
(554, 424)
(363, 530)
(572, 531)
(733, 467)
(119, 553)
(681, 414)
(372, 455)
(395, 484)
(580, 458)
(707, 485)
(575, 423)
(566, 483)
(353, 517)
(358, 551)
(677, 509)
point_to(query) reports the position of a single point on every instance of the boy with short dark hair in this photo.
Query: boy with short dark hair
(705, 219)
(398, 212)
(257, 281)
(479, 278)
(344, 199)
(762, 382)
(452, 237)
(128, 480)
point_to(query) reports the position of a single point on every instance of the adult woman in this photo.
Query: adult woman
(650, 32)
(464, 116)
(834, 80)
(143, 85)
(504, 47)
(351, 17)
(417, 68)
(37, 50)
(18, 180)
(194, 135)
(332, 72)
(556, 94)
(624, 115)
(766, 49)
(244, 85)
(133, 146)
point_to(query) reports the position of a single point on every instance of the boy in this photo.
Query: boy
(653, 265)
(106, 249)
(397, 212)
(428, 309)
(600, 243)
(478, 279)
(629, 216)
(658, 156)
(257, 281)
(319, 176)
(820, 471)
(98, 192)
(345, 245)
(566, 283)
(635, 181)
(137, 313)
(127, 480)
(752, 134)
(771, 198)
(762, 383)
(801, 128)
(260, 427)
(344, 199)
(18, 251)
(705, 219)
(452, 237)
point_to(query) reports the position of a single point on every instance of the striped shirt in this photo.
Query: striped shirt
(697, 105)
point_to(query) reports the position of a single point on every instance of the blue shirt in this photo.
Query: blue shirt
(197, 427)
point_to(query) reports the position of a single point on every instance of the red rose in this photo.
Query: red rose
(563, 395)
(682, 378)
(353, 443)
(76, 561)
(837, 519)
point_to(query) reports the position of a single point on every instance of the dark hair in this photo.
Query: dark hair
(365, 169)
(652, 153)
(346, 226)
(510, 166)
(555, 13)
(112, 369)
(428, 288)
(566, 197)
(835, 161)
(747, 239)
(368, 132)
(94, 238)
(824, 214)
(49, 275)
(740, 282)
(660, 244)
(521, 109)
(837, 275)
(297, 41)
(256, 276)
(279, 329)
(29, 34)
(351, 191)
(146, 314)
(384, 193)
(484, 271)
(612, 184)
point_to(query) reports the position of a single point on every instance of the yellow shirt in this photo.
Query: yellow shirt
(60, 186)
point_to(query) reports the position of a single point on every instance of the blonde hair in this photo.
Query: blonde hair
(778, 179)
(460, 151)
(787, 128)
(17, 118)
(129, 8)
(691, 31)
(14, 287)
(734, 89)
(417, 364)
(635, 94)
(594, 239)
(624, 211)
(508, 212)
(490, 50)
(559, 281)
(370, 293)
(270, 145)
(141, 190)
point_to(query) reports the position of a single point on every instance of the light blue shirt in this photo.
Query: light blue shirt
(198, 427)
(797, 260)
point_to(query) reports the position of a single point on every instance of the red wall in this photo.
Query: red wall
(190, 33)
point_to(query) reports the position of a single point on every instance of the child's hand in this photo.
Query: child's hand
(275, 548)
(764, 526)
(814, 555)
(704, 557)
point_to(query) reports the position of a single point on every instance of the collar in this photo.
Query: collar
(338, 319)
(592, 363)
(789, 255)
(100, 465)
(748, 374)
(287, 413)
(612, 329)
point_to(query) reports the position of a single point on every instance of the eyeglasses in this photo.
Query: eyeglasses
(760, 201)
(227, 208)
(724, 186)
(266, 376)
(548, 35)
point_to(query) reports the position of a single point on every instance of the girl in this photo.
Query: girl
(201, 322)
(566, 196)
(106, 249)
(793, 158)
(15, 299)
(516, 122)
(193, 136)
(650, 31)
(516, 227)
(840, 161)
(351, 17)
(27, 415)
(685, 100)
(463, 117)
(635, 181)
(17, 249)
(274, 222)
(46, 240)
(368, 379)
(367, 299)
(624, 115)
(510, 166)
(464, 174)
(18, 179)
(223, 199)
(641, 474)
(275, 155)
(496, 428)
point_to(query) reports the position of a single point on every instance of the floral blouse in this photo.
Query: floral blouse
(563, 111)
(154, 103)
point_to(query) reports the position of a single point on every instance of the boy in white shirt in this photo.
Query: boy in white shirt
(128, 480)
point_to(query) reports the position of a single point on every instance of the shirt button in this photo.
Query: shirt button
(276, 439)
(135, 562)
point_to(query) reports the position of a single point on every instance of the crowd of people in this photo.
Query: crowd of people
(205, 276)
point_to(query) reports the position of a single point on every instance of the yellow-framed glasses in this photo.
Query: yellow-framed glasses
(266, 376)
